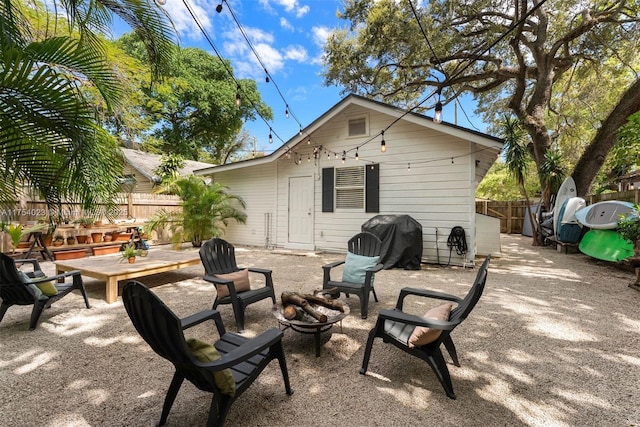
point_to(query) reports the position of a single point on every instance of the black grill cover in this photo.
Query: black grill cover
(401, 238)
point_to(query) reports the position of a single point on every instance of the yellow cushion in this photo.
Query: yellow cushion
(207, 353)
(47, 288)
(423, 335)
(240, 281)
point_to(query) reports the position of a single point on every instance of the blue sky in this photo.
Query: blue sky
(288, 36)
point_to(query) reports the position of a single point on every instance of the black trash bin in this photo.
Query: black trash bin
(401, 237)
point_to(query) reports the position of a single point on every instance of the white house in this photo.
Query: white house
(305, 196)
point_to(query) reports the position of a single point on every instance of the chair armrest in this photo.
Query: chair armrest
(203, 316)
(217, 280)
(404, 292)
(264, 271)
(56, 277)
(332, 265)
(412, 319)
(247, 350)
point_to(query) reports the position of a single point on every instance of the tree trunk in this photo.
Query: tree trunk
(596, 152)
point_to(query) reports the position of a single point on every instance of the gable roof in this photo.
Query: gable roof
(146, 163)
(477, 137)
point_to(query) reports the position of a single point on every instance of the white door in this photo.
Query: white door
(301, 210)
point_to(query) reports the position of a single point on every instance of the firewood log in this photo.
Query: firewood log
(290, 312)
(297, 299)
(332, 304)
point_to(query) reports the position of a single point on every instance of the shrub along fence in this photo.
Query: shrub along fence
(512, 213)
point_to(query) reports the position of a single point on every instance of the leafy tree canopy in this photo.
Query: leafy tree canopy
(193, 111)
(560, 66)
(53, 76)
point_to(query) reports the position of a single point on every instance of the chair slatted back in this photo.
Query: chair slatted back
(12, 289)
(365, 244)
(218, 256)
(162, 330)
(462, 310)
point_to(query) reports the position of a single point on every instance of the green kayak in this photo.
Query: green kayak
(606, 245)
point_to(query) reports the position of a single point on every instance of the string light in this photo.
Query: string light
(383, 145)
(344, 156)
(286, 112)
(357, 158)
(437, 118)
(219, 8)
(270, 137)
(309, 141)
(161, 2)
(238, 102)
(409, 166)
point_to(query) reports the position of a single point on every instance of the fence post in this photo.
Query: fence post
(129, 205)
(509, 217)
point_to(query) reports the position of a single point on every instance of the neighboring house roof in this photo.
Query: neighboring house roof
(420, 119)
(146, 163)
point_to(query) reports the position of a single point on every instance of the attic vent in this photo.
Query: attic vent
(350, 187)
(358, 127)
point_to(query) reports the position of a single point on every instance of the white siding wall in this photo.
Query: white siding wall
(437, 191)
(256, 186)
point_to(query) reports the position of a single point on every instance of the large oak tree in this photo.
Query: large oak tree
(517, 55)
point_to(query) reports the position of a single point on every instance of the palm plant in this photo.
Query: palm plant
(52, 81)
(206, 211)
(516, 158)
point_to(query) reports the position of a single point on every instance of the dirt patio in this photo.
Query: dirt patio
(554, 341)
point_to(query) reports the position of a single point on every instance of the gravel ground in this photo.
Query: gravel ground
(554, 341)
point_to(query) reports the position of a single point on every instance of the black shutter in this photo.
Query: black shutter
(372, 190)
(327, 189)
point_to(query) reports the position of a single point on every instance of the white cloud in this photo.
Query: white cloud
(285, 24)
(320, 35)
(290, 6)
(296, 53)
(184, 23)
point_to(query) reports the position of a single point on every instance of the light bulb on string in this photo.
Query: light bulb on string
(219, 8)
(161, 2)
(300, 133)
(357, 157)
(286, 112)
(383, 145)
(309, 141)
(409, 167)
(344, 156)
(238, 102)
(437, 117)
(270, 137)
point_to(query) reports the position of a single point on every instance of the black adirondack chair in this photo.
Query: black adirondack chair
(163, 331)
(395, 327)
(14, 291)
(218, 257)
(363, 244)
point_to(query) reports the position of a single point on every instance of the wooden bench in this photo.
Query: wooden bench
(564, 247)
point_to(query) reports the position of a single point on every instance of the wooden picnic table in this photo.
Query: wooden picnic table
(113, 268)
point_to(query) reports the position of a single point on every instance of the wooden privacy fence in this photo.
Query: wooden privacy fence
(512, 213)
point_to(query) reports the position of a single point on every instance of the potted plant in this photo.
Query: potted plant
(85, 221)
(206, 210)
(58, 240)
(129, 253)
(629, 228)
(71, 240)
